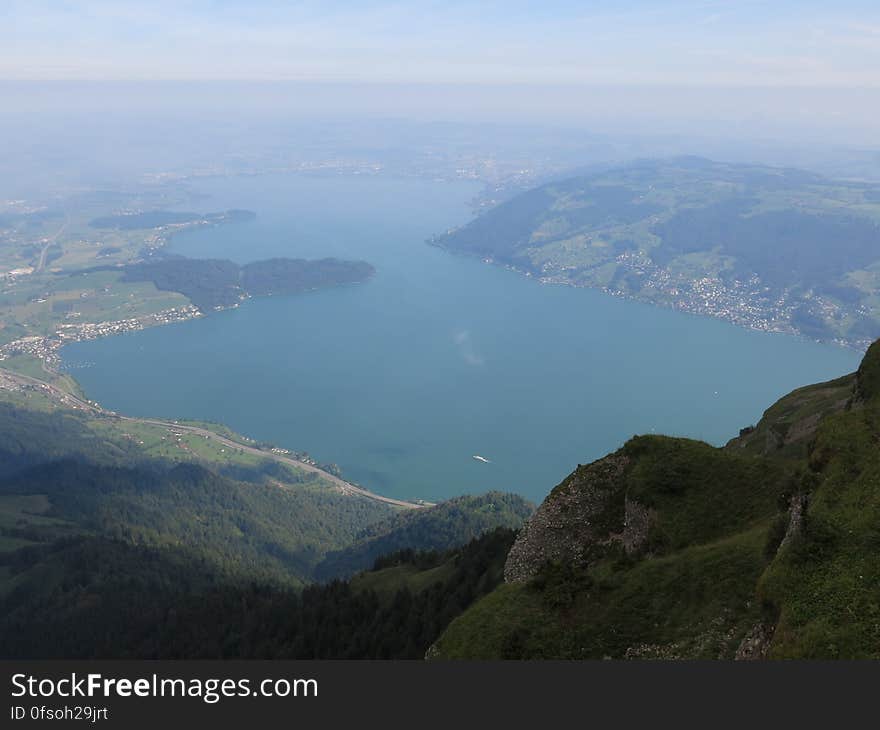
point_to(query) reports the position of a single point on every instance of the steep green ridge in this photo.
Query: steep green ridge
(764, 247)
(826, 586)
(442, 527)
(789, 425)
(672, 548)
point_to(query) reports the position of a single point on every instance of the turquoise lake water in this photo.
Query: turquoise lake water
(403, 379)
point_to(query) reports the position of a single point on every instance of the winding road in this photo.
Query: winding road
(73, 401)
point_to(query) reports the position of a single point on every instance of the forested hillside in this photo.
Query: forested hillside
(93, 597)
(445, 526)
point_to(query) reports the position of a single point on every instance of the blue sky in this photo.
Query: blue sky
(720, 43)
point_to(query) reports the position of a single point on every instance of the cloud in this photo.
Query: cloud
(462, 339)
(633, 41)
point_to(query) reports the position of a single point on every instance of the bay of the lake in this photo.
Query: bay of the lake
(403, 379)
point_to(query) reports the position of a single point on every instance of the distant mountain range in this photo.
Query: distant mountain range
(769, 248)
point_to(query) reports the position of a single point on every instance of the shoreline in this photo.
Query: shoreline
(45, 347)
(77, 403)
(675, 306)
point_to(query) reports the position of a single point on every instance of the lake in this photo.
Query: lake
(403, 379)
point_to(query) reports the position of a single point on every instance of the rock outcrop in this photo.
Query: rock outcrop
(580, 521)
(756, 643)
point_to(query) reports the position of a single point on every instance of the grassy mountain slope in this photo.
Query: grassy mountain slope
(671, 548)
(788, 427)
(826, 585)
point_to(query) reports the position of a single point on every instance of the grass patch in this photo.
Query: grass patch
(388, 581)
(696, 603)
(700, 493)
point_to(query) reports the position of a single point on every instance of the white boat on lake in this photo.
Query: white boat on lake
(481, 458)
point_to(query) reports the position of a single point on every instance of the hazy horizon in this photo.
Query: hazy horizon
(109, 133)
(713, 43)
(798, 72)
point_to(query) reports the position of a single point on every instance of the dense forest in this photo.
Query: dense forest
(101, 598)
(445, 526)
(218, 283)
(261, 530)
(30, 436)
